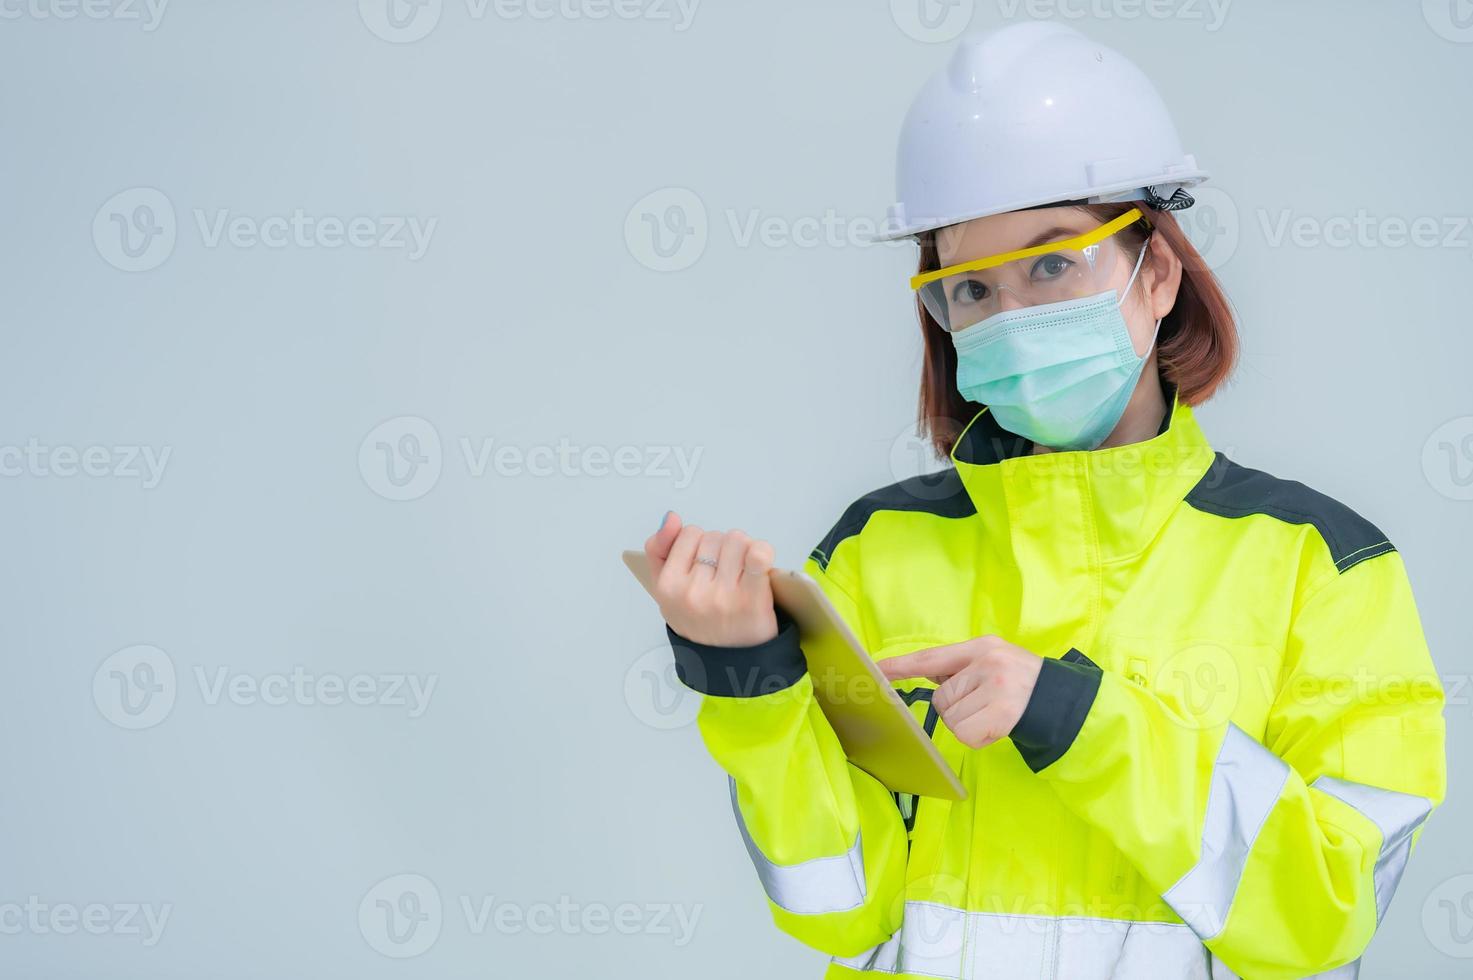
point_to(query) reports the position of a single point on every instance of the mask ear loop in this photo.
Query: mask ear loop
(1154, 334)
(1133, 273)
(1126, 292)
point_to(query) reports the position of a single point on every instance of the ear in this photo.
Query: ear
(1160, 276)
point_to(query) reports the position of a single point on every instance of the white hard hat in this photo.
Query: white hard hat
(1031, 114)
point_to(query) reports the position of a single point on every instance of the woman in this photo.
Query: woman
(1191, 703)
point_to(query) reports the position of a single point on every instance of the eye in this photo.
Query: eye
(1049, 267)
(969, 291)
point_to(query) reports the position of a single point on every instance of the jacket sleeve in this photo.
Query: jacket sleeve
(827, 839)
(1281, 851)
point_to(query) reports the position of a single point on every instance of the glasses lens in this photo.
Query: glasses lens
(966, 298)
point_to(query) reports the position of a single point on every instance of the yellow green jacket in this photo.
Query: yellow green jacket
(1233, 744)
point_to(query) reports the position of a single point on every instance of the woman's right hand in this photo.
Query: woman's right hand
(729, 605)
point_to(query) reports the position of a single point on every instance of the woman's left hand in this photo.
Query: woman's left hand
(984, 684)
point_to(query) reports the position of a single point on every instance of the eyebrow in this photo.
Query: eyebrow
(1058, 231)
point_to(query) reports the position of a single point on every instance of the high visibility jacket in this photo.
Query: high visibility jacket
(1234, 740)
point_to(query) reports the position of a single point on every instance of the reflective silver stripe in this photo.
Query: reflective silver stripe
(1397, 814)
(940, 941)
(824, 884)
(1246, 781)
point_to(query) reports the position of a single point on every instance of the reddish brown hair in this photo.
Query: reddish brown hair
(1195, 351)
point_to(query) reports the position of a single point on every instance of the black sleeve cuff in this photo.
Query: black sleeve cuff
(741, 672)
(1056, 710)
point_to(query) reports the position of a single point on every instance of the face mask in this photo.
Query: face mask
(1059, 374)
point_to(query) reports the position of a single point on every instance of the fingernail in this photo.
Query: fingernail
(663, 521)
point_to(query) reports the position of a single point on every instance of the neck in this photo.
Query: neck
(1143, 414)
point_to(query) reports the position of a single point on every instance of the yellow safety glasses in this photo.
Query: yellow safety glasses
(961, 295)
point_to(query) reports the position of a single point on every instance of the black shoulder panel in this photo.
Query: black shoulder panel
(1230, 490)
(941, 494)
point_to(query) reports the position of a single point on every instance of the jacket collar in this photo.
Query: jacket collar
(1120, 496)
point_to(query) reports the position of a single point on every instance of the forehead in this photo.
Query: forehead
(998, 233)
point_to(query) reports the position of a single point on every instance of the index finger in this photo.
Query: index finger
(935, 662)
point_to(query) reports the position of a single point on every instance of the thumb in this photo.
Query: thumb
(657, 546)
